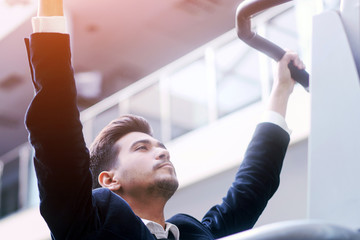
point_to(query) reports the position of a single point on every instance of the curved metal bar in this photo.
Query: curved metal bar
(244, 13)
(243, 26)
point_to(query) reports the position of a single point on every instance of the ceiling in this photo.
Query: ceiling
(122, 40)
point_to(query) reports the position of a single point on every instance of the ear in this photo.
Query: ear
(108, 180)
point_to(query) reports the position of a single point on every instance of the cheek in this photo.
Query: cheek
(136, 166)
(138, 162)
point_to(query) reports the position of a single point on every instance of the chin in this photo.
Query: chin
(167, 185)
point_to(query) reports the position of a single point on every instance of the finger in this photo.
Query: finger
(289, 56)
(292, 56)
(298, 63)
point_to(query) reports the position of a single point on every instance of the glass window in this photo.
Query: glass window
(9, 188)
(33, 191)
(188, 98)
(238, 79)
(147, 104)
(104, 118)
(282, 30)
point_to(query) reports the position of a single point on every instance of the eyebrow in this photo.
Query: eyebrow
(147, 142)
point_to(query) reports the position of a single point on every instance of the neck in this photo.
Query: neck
(148, 208)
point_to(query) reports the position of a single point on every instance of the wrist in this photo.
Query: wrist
(282, 90)
(278, 101)
(48, 8)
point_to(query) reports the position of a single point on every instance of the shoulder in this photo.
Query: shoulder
(105, 198)
(112, 205)
(190, 227)
(112, 212)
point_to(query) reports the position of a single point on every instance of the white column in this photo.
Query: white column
(334, 147)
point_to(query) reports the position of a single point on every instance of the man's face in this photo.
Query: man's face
(144, 166)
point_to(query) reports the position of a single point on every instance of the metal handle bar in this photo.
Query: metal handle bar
(244, 13)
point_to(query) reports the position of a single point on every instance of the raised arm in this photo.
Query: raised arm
(61, 158)
(258, 176)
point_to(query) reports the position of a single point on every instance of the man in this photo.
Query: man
(132, 168)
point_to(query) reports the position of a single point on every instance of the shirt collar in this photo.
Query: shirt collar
(159, 231)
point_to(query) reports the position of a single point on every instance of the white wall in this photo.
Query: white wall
(334, 152)
(288, 203)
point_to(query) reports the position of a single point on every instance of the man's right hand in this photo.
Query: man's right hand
(283, 83)
(48, 8)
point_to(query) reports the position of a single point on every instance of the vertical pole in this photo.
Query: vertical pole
(210, 62)
(1, 173)
(165, 115)
(24, 158)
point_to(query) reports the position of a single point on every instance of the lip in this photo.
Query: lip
(167, 164)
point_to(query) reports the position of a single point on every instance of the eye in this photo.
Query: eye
(142, 147)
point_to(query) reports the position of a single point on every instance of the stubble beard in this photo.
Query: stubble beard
(165, 187)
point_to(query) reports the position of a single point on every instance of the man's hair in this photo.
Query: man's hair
(103, 152)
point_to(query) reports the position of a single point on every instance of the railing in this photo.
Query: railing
(220, 77)
(15, 176)
(163, 91)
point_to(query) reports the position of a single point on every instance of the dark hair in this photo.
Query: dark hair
(103, 153)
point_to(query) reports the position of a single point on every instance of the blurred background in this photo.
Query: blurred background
(179, 64)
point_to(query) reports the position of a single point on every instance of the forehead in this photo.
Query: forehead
(127, 140)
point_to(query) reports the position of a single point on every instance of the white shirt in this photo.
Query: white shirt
(49, 24)
(159, 231)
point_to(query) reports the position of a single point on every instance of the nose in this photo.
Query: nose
(162, 154)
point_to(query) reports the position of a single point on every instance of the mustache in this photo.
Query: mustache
(162, 163)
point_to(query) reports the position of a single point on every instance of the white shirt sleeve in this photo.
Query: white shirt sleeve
(54, 24)
(275, 118)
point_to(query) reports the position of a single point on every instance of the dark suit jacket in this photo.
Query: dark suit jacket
(68, 204)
